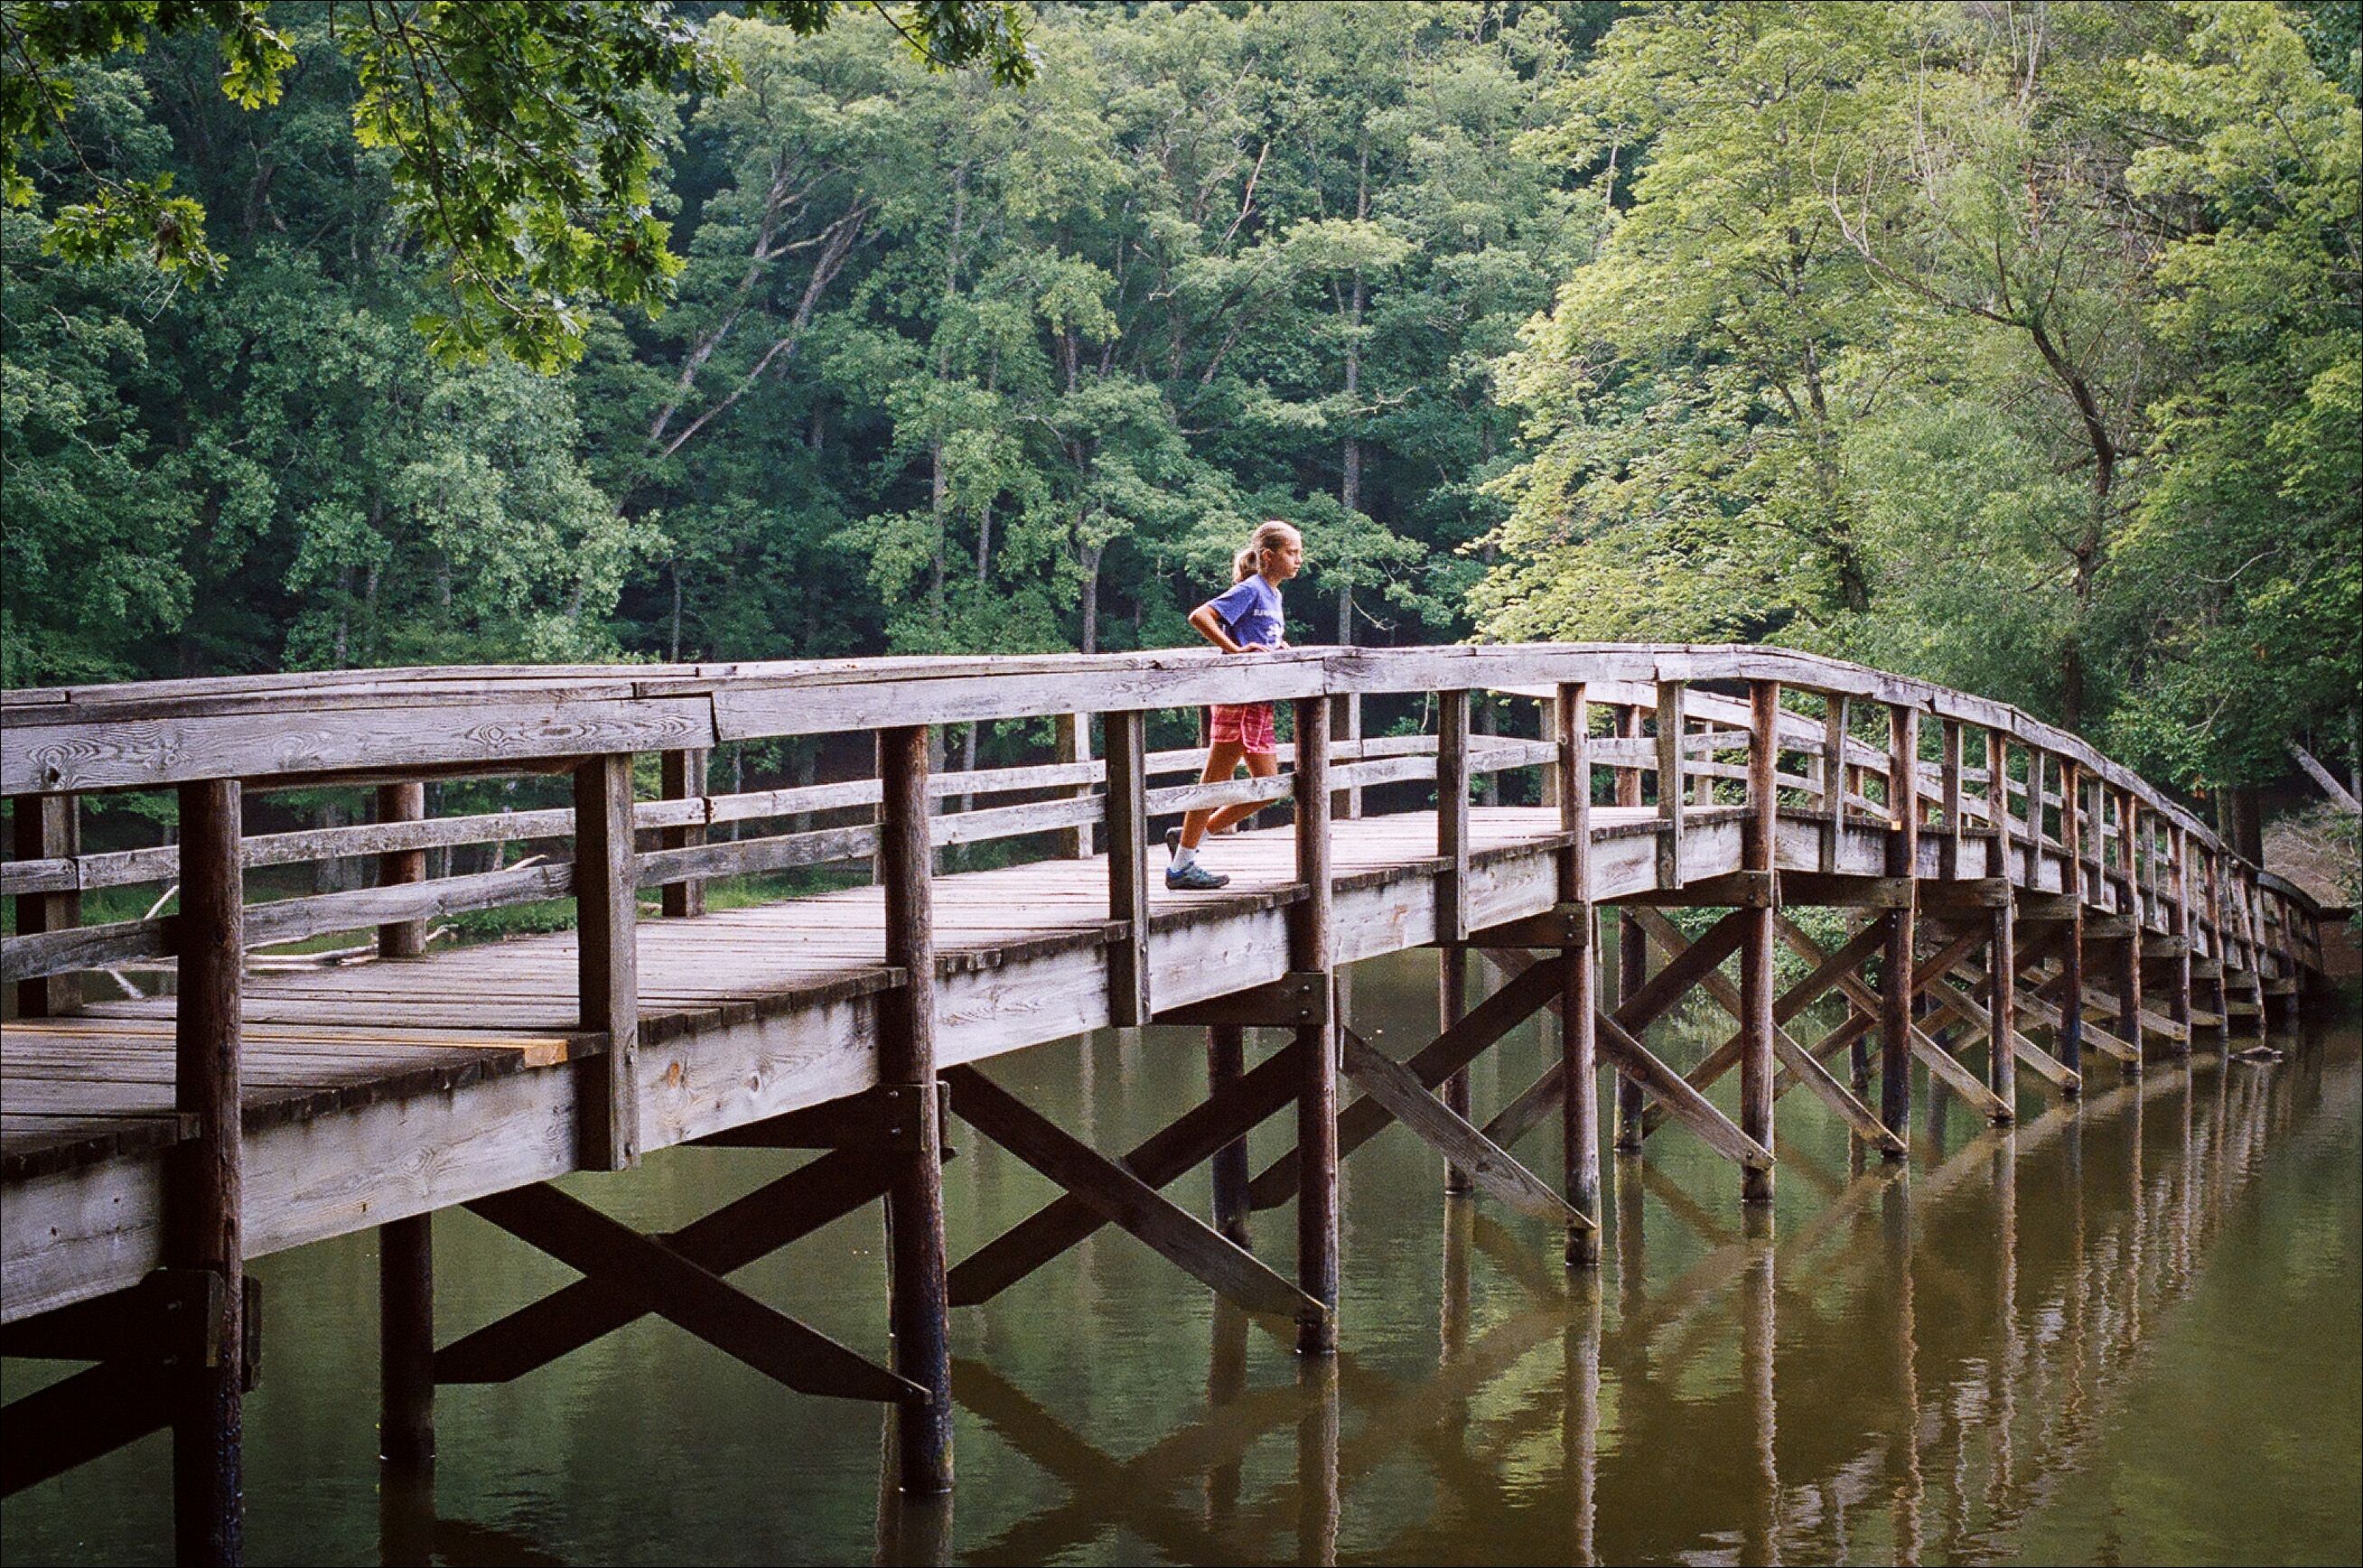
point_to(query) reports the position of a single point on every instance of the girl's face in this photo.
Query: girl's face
(1281, 562)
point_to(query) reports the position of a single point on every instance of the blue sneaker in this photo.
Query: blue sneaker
(1194, 878)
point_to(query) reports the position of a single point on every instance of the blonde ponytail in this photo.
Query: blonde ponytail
(1269, 534)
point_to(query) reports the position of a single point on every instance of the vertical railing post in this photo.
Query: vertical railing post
(1948, 847)
(1127, 824)
(1345, 725)
(2212, 868)
(918, 1304)
(1073, 741)
(1833, 778)
(48, 828)
(1997, 803)
(1312, 950)
(2252, 900)
(681, 776)
(1902, 867)
(400, 868)
(204, 1193)
(1756, 979)
(1452, 815)
(607, 963)
(1579, 992)
(1547, 729)
(1670, 784)
(2071, 882)
(2178, 918)
(1632, 947)
(2129, 958)
(2002, 940)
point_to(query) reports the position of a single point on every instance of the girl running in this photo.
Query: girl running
(1245, 619)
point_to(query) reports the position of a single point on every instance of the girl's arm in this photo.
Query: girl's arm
(1208, 623)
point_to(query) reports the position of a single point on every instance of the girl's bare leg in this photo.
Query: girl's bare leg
(1261, 766)
(1222, 761)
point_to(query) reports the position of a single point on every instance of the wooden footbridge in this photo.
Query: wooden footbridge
(2022, 902)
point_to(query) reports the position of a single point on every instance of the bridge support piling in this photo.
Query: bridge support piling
(1755, 980)
(1578, 993)
(204, 1224)
(919, 1307)
(1451, 908)
(1895, 969)
(2001, 940)
(2071, 947)
(1632, 948)
(2128, 953)
(1226, 1062)
(1452, 1006)
(405, 1337)
(1311, 948)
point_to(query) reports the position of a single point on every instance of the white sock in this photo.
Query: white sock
(1187, 857)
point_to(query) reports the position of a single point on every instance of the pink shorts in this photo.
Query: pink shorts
(1247, 723)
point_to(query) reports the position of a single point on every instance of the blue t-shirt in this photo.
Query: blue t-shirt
(1250, 612)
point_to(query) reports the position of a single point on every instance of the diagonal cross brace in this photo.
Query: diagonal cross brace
(1456, 1047)
(1491, 1167)
(1795, 1000)
(1674, 1094)
(729, 1238)
(692, 1298)
(1123, 1198)
(1795, 1057)
(1950, 998)
(1941, 1064)
(1225, 1116)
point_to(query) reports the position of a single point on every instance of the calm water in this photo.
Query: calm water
(2129, 1332)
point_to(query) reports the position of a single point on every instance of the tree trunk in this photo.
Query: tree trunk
(1349, 482)
(675, 656)
(1089, 556)
(938, 493)
(2249, 823)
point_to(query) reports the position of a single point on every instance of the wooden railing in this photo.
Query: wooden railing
(2132, 844)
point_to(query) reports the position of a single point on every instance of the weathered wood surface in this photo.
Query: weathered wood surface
(378, 1091)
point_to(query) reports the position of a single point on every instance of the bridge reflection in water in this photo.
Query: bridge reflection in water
(1908, 1375)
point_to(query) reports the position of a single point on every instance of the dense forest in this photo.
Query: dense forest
(2015, 345)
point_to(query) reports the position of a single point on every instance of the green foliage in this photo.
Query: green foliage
(2012, 347)
(521, 137)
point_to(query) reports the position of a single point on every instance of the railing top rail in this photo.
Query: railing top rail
(317, 725)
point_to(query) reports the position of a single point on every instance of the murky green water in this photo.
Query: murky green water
(2132, 1332)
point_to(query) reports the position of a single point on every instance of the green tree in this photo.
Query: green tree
(522, 136)
(1689, 390)
(2242, 575)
